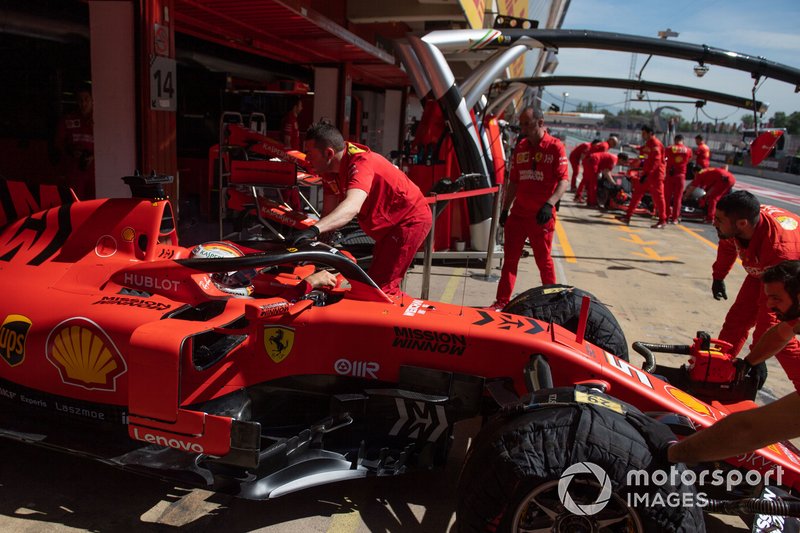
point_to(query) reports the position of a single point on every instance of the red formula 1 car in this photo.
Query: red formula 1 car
(119, 345)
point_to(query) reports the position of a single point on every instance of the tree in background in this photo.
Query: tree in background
(790, 122)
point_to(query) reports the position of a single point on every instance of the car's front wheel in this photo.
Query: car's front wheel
(567, 469)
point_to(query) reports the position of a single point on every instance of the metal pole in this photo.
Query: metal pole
(221, 169)
(426, 265)
(492, 232)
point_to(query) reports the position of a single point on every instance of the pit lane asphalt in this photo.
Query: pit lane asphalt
(656, 282)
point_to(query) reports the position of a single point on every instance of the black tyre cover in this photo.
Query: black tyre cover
(513, 456)
(561, 304)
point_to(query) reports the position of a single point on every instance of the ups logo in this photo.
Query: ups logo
(13, 334)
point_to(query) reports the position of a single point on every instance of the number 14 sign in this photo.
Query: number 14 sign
(163, 94)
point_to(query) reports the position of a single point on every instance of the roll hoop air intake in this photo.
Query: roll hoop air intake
(646, 349)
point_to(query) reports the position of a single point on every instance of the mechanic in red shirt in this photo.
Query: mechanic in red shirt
(752, 429)
(536, 183)
(290, 129)
(390, 207)
(605, 146)
(652, 179)
(678, 156)
(596, 147)
(702, 153)
(575, 157)
(75, 143)
(761, 236)
(717, 182)
(593, 165)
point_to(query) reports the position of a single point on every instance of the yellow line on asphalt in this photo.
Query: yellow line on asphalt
(450, 289)
(697, 236)
(700, 238)
(569, 255)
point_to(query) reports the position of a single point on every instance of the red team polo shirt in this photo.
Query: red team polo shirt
(578, 151)
(599, 161)
(537, 170)
(703, 155)
(291, 129)
(678, 156)
(707, 178)
(653, 151)
(391, 196)
(776, 238)
(598, 147)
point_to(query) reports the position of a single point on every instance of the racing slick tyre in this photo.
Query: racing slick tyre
(561, 304)
(358, 243)
(565, 468)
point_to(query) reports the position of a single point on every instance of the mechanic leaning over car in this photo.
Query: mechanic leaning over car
(761, 236)
(575, 158)
(652, 179)
(604, 146)
(390, 207)
(745, 431)
(537, 180)
(717, 182)
(596, 147)
(594, 165)
(678, 156)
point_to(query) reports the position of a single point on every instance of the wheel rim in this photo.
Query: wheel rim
(541, 511)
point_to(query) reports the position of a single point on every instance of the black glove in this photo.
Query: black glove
(745, 371)
(658, 436)
(545, 214)
(301, 237)
(718, 290)
(503, 217)
(642, 178)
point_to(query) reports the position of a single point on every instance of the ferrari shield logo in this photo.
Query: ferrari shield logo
(278, 342)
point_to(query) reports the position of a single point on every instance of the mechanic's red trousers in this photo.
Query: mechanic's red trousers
(713, 195)
(517, 229)
(575, 162)
(394, 253)
(589, 181)
(655, 186)
(673, 192)
(749, 310)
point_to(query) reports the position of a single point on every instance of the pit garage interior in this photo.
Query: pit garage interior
(163, 73)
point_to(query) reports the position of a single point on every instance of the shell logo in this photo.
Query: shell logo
(84, 355)
(128, 233)
(690, 401)
(787, 223)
